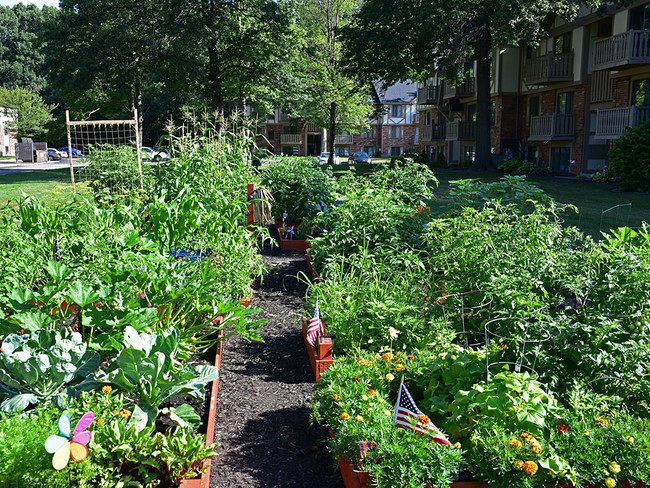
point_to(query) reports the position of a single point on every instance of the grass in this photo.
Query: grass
(49, 185)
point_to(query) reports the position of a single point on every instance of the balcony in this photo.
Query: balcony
(434, 132)
(428, 95)
(461, 131)
(610, 123)
(343, 139)
(601, 87)
(549, 68)
(293, 139)
(312, 128)
(626, 49)
(556, 127)
(466, 89)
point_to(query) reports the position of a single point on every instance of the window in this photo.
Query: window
(290, 150)
(395, 151)
(342, 150)
(396, 132)
(534, 107)
(561, 159)
(396, 111)
(369, 150)
(640, 17)
(428, 119)
(271, 134)
(493, 113)
(641, 93)
(289, 129)
(565, 103)
(471, 113)
(371, 134)
(562, 44)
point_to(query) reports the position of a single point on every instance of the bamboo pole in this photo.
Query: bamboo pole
(67, 125)
(138, 147)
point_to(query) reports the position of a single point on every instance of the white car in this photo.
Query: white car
(324, 158)
(149, 154)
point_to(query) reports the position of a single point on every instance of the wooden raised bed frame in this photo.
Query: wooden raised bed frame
(291, 244)
(320, 358)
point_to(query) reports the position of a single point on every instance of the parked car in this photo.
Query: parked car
(359, 157)
(324, 158)
(76, 153)
(259, 154)
(53, 154)
(160, 153)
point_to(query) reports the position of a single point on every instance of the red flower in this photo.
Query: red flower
(356, 379)
(562, 429)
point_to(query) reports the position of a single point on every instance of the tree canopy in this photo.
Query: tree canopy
(27, 111)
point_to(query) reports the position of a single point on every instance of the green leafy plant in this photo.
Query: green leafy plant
(44, 366)
(145, 368)
(628, 160)
(512, 165)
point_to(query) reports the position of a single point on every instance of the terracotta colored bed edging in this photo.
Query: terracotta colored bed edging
(320, 358)
(291, 244)
(316, 278)
(204, 480)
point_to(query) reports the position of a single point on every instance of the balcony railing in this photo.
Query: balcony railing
(610, 123)
(549, 68)
(312, 128)
(552, 127)
(461, 131)
(466, 89)
(428, 95)
(343, 139)
(628, 48)
(290, 139)
(601, 87)
(434, 132)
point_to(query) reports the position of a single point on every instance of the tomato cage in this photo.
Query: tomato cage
(467, 311)
(513, 344)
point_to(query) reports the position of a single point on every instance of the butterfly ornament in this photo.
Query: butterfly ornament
(70, 443)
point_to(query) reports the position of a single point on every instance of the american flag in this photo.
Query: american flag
(409, 416)
(315, 328)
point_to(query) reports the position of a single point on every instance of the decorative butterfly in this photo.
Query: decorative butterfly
(66, 444)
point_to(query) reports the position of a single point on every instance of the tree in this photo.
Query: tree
(327, 96)
(228, 49)
(27, 111)
(399, 39)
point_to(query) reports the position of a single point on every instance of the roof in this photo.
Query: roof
(400, 92)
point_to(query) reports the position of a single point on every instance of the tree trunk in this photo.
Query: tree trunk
(214, 78)
(483, 101)
(330, 141)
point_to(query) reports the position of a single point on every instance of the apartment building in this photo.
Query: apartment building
(7, 140)
(390, 133)
(562, 103)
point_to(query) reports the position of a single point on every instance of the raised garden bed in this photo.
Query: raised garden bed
(291, 244)
(320, 358)
(316, 278)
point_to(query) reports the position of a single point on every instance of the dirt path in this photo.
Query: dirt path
(263, 408)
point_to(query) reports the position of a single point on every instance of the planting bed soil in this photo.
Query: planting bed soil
(262, 424)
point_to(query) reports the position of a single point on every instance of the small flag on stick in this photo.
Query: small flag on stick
(315, 328)
(409, 416)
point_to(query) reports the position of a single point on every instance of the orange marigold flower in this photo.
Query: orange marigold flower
(356, 378)
(107, 388)
(114, 412)
(536, 448)
(125, 414)
(336, 397)
(100, 421)
(344, 416)
(525, 435)
(424, 419)
(515, 443)
(530, 467)
(519, 464)
(372, 392)
(602, 421)
(411, 357)
(399, 367)
(377, 356)
(503, 345)
(363, 362)
(387, 356)
(562, 429)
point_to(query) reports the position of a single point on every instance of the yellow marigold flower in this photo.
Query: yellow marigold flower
(470, 468)
(358, 418)
(399, 367)
(344, 416)
(519, 464)
(536, 448)
(615, 468)
(525, 435)
(424, 419)
(387, 413)
(364, 398)
(457, 445)
(390, 377)
(515, 443)
(363, 362)
(107, 388)
(602, 421)
(125, 414)
(610, 483)
(530, 467)
(100, 421)
(92, 392)
(380, 400)
(372, 392)
(377, 356)
(630, 439)
(387, 356)
(587, 432)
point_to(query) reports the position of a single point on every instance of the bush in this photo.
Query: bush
(511, 165)
(629, 159)
(397, 161)
(604, 176)
(530, 168)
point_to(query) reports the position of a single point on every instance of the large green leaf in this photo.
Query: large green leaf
(185, 416)
(57, 270)
(33, 320)
(18, 403)
(82, 294)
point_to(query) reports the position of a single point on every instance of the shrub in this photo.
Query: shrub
(511, 165)
(530, 168)
(604, 176)
(397, 161)
(629, 159)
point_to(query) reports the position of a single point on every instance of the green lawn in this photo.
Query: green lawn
(53, 184)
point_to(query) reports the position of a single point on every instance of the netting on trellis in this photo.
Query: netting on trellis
(107, 151)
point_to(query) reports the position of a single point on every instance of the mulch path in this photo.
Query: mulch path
(262, 425)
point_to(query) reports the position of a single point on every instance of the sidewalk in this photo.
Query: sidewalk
(11, 166)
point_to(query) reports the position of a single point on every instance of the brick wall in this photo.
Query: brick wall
(621, 95)
(580, 99)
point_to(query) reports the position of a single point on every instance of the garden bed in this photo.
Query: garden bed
(291, 244)
(320, 357)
